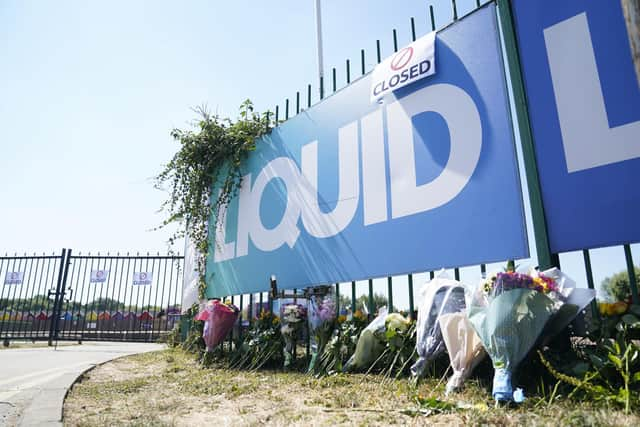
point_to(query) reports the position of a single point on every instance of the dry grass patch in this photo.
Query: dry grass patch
(169, 388)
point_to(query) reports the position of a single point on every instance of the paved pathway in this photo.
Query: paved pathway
(34, 381)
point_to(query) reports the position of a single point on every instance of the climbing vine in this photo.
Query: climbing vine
(209, 157)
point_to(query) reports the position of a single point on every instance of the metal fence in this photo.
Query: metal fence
(253, 304)
(89, 297)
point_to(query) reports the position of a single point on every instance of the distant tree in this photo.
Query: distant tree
(362, 302)
(151, 308)
(33, 304)
(39, 303)
(379, 300)
(617, 286)
(104, 304)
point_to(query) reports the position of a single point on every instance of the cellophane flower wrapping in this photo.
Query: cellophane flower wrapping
(438, 297)
(574, 300)
(371, 343)
(292, 318)
(321, 315)
(509, 312)
(463, 346)
(219, 319)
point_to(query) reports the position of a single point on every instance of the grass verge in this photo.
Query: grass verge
(170, 388)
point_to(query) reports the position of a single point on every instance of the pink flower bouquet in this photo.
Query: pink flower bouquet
(219, 319)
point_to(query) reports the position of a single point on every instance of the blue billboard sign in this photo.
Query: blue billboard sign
(350, 189)
(584, 106)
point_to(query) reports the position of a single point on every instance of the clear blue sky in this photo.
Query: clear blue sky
(90, 90)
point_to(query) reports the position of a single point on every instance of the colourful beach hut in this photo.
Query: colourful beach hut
(130, 316)
(104, 316)
(92, 316)
(145, 317)
(42, 316)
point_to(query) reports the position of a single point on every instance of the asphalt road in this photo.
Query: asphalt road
(34, 381)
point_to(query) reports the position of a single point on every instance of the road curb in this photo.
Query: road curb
(86, 371)
(40, 381)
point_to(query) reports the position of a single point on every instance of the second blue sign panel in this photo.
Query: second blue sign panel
(351, 189)
(584, 104)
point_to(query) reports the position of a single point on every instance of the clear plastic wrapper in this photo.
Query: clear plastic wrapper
(463, 346)
(219, 319)
(292, 318)
(437, 297)
(574, 300)
(370, 345)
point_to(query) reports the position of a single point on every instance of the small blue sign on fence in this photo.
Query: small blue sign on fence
(584, 105)
(350, 189)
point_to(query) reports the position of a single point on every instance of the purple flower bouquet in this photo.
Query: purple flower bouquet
(322, 317)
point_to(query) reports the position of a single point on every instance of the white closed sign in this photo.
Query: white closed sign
(406, 66)
(13, 277)
(99, 276)
(142, 278)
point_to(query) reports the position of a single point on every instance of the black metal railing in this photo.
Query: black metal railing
(89, 297)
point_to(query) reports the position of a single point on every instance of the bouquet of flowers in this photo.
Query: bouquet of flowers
(342, 343)
(438, 297)
(262, 344)
(321, 316)
(509, 313)
(370, 344)
(219, 319)
(292, 319)
(386, 344)
(401, 344)
(463, 345)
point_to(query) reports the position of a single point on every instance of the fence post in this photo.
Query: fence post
(57, 296)
(546, 259)
(411, 306)
(633, 285)
(372, 309)
(587, 265)
(353, 298)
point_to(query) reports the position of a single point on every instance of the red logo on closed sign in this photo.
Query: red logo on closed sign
(401, 58)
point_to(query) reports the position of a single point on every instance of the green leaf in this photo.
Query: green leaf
(616, 360)
(616, 346)
(636, 377)
(580, 368)
(433, 404)
(631, 320)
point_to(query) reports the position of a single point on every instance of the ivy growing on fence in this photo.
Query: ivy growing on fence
(210, 156)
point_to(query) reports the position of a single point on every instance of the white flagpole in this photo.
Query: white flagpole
(318, 13)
